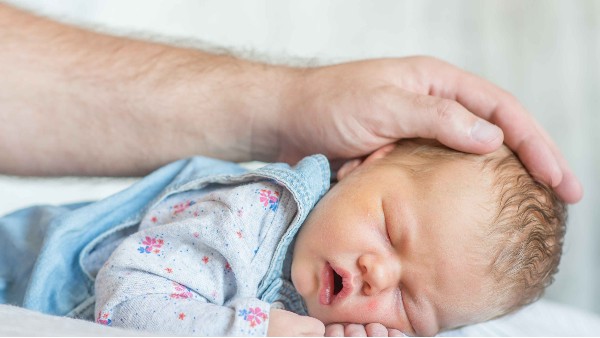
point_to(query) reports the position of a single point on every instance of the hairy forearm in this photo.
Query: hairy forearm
(77, 102)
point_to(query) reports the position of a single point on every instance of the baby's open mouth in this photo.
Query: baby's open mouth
(336, 284)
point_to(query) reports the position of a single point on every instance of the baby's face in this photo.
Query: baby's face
(383, 246)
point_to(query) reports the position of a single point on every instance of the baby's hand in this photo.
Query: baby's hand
(286, 323)
(359, 330)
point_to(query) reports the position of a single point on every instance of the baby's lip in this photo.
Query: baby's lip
(326, 294)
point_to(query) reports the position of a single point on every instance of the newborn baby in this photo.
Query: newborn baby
(416, 237)
(423, 239)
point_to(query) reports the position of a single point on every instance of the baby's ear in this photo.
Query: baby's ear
(349, 166)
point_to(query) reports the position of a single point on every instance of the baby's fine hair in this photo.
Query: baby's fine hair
(528, 231)
(525, 237)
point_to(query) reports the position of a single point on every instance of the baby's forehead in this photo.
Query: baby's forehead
(424, 159)
(456, 173)
(435, 151)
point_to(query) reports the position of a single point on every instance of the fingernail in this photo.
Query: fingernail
(484, 132)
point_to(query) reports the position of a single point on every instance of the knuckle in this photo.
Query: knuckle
(510, 100)
(445, 109)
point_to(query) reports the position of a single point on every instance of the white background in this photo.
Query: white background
(546, 53)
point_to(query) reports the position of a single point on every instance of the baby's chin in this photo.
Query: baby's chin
(321, 314)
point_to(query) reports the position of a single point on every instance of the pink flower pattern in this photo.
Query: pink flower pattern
(181, 207)
(151, 245)
(269, 199)
(254, 315)
(181, 292)
(104, 318)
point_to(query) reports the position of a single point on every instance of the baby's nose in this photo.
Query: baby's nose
(378, 274)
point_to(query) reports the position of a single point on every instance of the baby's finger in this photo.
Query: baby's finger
(312, 327)
(355, 330)
(376, 330)
(334, 330)
(395, 333)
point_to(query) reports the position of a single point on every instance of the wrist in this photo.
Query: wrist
(244, 103)
(273, 107)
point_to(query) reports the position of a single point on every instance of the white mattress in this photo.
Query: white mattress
(543, 318)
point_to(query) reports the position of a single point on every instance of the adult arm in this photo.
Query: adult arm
(78, 102)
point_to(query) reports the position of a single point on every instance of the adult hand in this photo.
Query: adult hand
(358, 330)
(351, 109)
(286, 323)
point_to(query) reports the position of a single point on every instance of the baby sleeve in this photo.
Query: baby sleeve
(178, 278)
(173, 309)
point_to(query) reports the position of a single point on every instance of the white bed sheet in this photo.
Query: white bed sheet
(16, 321)
(544, 318)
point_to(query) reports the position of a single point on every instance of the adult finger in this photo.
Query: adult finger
(442, 119)
(521, 132)
(376, 330)
(334, 330)
(539, 154)
(544, 162)
(569, 188)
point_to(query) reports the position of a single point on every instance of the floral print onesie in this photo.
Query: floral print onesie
(195, 265)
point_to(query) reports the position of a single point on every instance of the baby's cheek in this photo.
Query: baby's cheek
(372, 305)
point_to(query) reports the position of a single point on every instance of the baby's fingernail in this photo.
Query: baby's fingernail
(485, 132)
